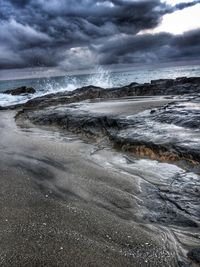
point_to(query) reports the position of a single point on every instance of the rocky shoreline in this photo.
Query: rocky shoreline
(20, 91)
(127, 132)
(178, 86)
(119, 129)
(149, 133)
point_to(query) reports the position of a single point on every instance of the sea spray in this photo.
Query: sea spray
(101, 77)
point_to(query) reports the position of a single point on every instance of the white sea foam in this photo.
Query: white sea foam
(101, 78)
(6, 100)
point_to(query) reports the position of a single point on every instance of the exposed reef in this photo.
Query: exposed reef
(178, 86)
(157, 87)
(20, 91)
(165, 133)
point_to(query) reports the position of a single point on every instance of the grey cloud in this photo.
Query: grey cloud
(52, 33)
(185, 5)
(161, 47)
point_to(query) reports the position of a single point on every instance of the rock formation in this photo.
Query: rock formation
(20, 91)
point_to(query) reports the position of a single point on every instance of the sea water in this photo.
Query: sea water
(101, 77)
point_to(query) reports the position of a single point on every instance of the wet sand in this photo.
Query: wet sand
(65, 202)
(122, 106)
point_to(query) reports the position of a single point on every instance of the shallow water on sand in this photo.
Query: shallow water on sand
(86, 205)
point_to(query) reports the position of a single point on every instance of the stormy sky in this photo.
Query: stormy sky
(77, 34)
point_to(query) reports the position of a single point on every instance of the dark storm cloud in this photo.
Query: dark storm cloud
(187, 45)
(160, 47)
(180, 6)
(74, 33)
(185, 5)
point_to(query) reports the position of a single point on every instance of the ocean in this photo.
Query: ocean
(102, 78)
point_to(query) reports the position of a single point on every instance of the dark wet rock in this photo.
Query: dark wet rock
(183, 264)
(192, 80)
(151, 134)
(80, 94)
(166, 83)
(178, 86)
(165, 210)
(194, 254)
(20, 90)
(185, 114)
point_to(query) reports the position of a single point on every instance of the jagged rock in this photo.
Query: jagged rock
(130, 133)
(179, 86)
(194, 254)
(124, 132)
(163, 82)
(20, 90)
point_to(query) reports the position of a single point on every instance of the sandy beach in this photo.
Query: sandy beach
(61, 207)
